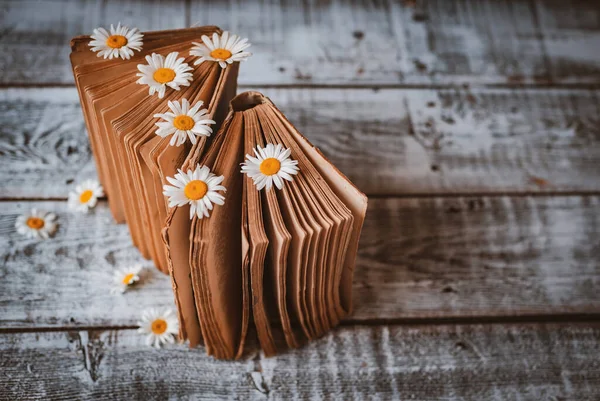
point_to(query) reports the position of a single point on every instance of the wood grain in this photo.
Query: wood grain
(569, 30)
(35, 35)
(388, 142)
(43, 142)
(418, 259)
(478, 257)
(525, 362)
(331, 43)
(67, 281)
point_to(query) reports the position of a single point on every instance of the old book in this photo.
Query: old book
(257, 229)
(132, 161)
(279, 258)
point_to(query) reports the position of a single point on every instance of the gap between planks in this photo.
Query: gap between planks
(425, 86)
(450, 195)
(558, 318)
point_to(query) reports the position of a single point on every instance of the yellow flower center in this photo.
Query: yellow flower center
(270, 166)
(116, 41)
(184, 122)
(164, 75)
(127, 279)
(159, 326)
(85, 196)
(36, 223)
(195, 189)
(221, 54)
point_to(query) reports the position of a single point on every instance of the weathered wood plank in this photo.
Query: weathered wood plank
(36, 35)
(525, 362)
(68, 280)
(478, 256)
(383, 42)
(418, 258)
(569, 31)
(387, 141)
(504, 141)
(43, 142)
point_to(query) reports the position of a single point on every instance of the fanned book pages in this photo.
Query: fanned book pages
(258, 231)
(263, 233)
(126, 89)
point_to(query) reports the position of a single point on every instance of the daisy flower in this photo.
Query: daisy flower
(37, 224)
(272, 164)
(85, 196)
(120, 42)
(126, 277)
(197, 188)
(160, 327)
(161, 72)
(183, 122)
(224, 49)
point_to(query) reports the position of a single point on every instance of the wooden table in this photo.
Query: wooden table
(474, 127)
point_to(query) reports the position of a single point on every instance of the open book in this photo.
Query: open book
(256, 228)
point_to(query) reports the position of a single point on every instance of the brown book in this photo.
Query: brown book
(280, 258)
(257, 229)
(132, 161)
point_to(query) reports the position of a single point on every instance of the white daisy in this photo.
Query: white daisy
(120, 42)
(85, 196)
(37, 224)
(197, 188)
(161, 72)
(271, 165)
(160, 327)
(183, 122)
(126, 277)
(225, 49)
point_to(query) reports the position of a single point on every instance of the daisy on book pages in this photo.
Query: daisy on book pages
(131, 151)
(120, 42)
(160, 327)
(184, 122)
(85, 196)
(162, 72)
(126, 277)
(224, 49)
(265, 261)
(37, 224)
(272, 164)
(198, 188)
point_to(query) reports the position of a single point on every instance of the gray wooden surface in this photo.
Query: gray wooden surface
(388, 141)
(419, 258)
(480, 362)
(472, 126)
(362, 42)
